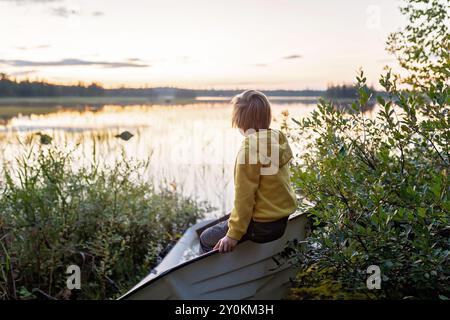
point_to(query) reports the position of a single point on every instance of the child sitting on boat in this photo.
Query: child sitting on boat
(264, 197)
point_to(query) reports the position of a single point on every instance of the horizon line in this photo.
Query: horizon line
(147, 86)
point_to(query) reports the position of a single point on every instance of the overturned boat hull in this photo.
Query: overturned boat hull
(251, 271)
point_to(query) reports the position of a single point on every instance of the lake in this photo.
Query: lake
(190, 146)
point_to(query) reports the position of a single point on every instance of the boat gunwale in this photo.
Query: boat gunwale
(188, 262)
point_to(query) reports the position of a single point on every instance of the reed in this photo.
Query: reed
(106, 219)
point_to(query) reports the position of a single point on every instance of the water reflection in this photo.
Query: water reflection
(191, 147)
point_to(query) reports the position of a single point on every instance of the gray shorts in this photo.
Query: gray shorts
(211, 235)
(259, 232)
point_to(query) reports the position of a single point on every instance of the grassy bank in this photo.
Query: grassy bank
(106, 220)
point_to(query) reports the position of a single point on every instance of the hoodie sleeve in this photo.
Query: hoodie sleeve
(246, 182)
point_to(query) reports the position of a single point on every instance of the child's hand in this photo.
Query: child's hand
(226, 244)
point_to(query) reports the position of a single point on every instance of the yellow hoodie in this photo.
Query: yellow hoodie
(263, 191)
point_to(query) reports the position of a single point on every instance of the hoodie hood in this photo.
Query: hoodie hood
(268, 147)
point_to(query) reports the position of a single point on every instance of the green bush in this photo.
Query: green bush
(380, 194)
(106, 220)
(378, 187)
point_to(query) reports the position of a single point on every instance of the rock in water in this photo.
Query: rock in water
(44, 138)
(126, 135)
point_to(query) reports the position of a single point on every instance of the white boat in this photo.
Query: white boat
(250, 271)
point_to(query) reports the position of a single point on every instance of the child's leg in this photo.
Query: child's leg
(209, 237)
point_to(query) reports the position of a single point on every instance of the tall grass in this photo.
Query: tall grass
(105, 219)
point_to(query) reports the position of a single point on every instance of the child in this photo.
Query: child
(263, 194)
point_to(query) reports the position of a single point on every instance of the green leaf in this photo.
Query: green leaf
(421, 212)
(381, 100)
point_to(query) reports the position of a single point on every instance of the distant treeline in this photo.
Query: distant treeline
(272, 93)
(13, 88)
(344, 91)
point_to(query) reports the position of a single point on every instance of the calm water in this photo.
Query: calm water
(190, 147)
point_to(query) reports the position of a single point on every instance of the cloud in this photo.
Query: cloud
(19, 2)
(23, 73)
(61, 11)
(64, 12)
(71, 63)
(42, 46)
(184, 59)
(293, 56)
(260, 65)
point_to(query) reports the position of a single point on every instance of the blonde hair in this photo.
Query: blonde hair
(251, 110)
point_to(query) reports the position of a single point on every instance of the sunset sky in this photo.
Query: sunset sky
(283, 44)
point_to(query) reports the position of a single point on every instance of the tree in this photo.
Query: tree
(422, 47)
